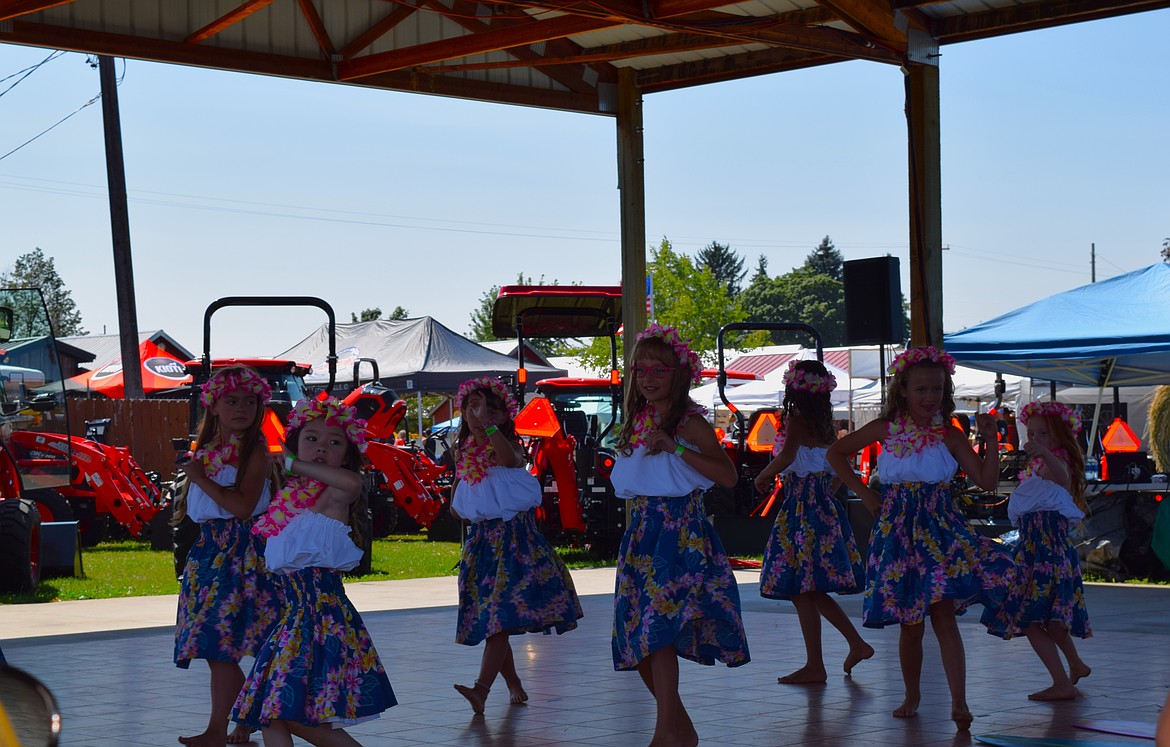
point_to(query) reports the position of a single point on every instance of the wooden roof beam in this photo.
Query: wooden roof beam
(655, 45)
(470, 44)
(320, 33)
(228, 19)
(17, 8)
(377, 31)
(463, 13)
(733, 67)
(1043, 15)
(873, 19)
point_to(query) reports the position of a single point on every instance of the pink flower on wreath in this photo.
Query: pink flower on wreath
(1052, 410)
(491, 384)
(298, 494)
(335, 413)
(687, 358)
(474, 461)
(234, 380)
(806, 381)
(928, 353)
(905, 437)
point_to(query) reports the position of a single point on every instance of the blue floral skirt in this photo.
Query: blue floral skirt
(512, 580)
(228, 601)
(1048, 586)
(675, 587)
(319, 665)
(811, 547)
(923, 551)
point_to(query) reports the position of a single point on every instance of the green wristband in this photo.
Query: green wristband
(490, 429)
(288, 463)
(678, 451)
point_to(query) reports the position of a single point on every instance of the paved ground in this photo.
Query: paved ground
(109, 664)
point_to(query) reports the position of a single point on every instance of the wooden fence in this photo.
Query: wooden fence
(146, 426)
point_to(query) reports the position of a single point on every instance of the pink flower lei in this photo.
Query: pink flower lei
(1052, 410)
(474, 461)
(905, 437)
(687, 358)
(1033, 468)
(217, 456)
(928, 353)
(801, 380)
(335, 413)
(297, 495)
(491, 384)
(233, 380)
(647, 420)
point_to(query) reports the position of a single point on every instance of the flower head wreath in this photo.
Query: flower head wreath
(928, 353)
(491, 384)
(687, 358)
(234, 380)
(335, 413)
(801, 380)
(1052, 410)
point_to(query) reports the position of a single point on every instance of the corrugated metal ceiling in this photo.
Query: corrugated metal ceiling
(561, 54)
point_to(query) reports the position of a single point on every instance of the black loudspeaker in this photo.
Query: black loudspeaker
(873, 301)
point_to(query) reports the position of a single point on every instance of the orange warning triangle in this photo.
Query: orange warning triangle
(1119, 437)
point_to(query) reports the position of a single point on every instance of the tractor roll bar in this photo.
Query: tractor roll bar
(752, 326)
(270, 301)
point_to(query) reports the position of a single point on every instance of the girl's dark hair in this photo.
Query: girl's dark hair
(658, 350)
(816, 408)
(494, 401)
(354, 461)
(896, 401)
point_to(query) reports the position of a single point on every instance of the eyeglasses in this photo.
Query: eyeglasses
(656, 372)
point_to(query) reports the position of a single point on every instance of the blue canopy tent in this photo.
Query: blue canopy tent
(1112, 333)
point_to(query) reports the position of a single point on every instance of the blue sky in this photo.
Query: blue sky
(242, 185)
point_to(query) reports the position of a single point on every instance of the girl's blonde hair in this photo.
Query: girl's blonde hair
(896, 401)
(658, 350)
(1066, 439)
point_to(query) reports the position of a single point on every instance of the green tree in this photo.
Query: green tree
(799, 296)
(35, 270)
(367, 315)
(724, 264)
(481, 321)
(687, 296)
(400, 313)
(826, 260)
(761, 272)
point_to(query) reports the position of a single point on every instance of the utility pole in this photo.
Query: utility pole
(120, 232)
(1093, 262)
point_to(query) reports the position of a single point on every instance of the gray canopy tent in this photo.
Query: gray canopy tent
(413, 355)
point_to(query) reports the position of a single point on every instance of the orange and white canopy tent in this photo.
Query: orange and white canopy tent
(160, 371)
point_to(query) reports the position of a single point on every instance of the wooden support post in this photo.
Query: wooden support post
(922, 121)
(632, 187)
(120, 232)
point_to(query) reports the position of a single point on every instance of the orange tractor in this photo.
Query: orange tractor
(401, 480)
(47, 476)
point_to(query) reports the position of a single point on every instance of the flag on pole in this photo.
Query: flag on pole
(649, 298)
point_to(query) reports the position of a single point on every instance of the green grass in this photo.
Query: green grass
(130, 568)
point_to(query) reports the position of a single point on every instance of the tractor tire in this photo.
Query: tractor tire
(20, 545)
(364, 528)
(51, 505)
(159, 531)
(185, 535)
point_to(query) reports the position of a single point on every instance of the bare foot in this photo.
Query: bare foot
(1076, 674)
(240, 735)
(1055, 693)
(962, 720)
(475, 695)
(908, 708)
(856, 656)
(687, 738)
(516, 695)
(206, 739)
(806, 675)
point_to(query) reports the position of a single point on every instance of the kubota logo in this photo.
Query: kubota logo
(168, 368)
